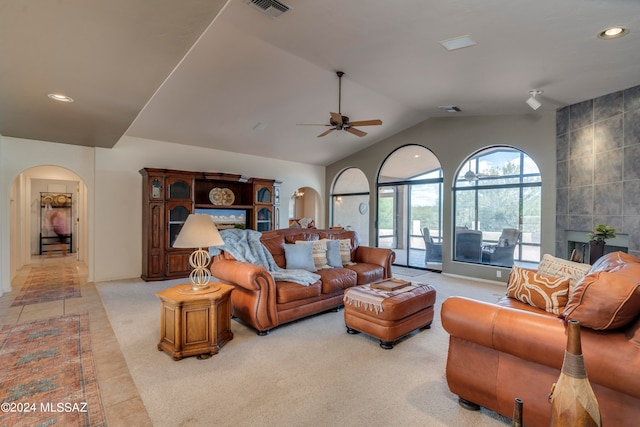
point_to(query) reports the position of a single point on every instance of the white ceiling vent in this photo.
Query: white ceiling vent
(273, 8)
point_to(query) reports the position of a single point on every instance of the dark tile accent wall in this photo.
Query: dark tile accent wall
(598, 170)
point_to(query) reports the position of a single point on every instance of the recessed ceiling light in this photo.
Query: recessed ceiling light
(613, 33)
(61, 98)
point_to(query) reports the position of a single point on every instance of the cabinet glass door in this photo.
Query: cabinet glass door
(263, 195)
(177, 217)
(179, 190)
(263, 219)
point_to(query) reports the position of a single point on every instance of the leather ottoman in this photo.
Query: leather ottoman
(389, 318)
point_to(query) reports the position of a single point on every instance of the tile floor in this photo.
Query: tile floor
(120, 398)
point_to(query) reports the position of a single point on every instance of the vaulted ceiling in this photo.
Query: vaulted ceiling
(225, 75)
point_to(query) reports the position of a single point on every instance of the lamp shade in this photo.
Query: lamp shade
(198, 231)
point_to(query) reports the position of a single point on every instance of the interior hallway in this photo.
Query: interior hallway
(120, 397)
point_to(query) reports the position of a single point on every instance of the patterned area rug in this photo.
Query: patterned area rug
(47, 374)
(49, 283)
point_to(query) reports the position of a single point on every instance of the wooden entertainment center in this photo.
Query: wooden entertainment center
(169, 196)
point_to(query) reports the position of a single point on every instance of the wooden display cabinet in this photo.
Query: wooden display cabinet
(169, 196)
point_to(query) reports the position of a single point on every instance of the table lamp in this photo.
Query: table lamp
(199, 231)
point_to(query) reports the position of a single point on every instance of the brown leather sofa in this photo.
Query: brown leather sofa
(263, 303)
(501, 351)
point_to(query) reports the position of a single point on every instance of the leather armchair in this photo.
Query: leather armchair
(501, 351)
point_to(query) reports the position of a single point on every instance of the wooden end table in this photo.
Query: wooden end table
(195, 322)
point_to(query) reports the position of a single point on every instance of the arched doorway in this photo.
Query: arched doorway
(350, 203)
(410, 207)
(35, 195)
(305, 205)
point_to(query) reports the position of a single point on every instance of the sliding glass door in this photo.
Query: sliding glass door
(410, 209)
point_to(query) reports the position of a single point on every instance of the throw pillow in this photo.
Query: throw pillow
(334, 259)
(319, 253)
(538, 290)
(559, 267)
(612, 260)
(345, 251)
(606, 299)
(300, 257)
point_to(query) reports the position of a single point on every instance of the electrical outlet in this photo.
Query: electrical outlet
(498, 274)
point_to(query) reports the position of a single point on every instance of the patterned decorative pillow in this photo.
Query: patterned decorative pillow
(345, 251)
(538, 290)
(319, 253)
(559, 267)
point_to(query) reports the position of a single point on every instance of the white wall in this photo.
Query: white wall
(114, 187)
(452, 140)
(118, 189)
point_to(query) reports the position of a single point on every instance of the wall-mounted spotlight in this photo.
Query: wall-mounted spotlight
(532, 101)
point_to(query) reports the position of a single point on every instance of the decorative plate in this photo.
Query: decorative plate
(363, 208)
(221, 196)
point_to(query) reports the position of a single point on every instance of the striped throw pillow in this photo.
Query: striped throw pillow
(319, 253)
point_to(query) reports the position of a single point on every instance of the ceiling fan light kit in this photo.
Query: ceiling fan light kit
(339, 122)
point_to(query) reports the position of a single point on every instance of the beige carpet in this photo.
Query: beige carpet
(308, 373)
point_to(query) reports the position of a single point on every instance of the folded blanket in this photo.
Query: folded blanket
(371, 299)
(245, 246)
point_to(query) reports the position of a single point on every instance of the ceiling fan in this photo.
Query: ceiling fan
(471, 176)
(339, 122)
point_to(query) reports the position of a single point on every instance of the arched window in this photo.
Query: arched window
(350, 203)
(497, 215)
(410, 207)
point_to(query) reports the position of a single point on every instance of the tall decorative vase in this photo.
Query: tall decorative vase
(517, 413)
(596, 250)
(573, 403)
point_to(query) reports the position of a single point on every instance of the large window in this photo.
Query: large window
(497, 199)
(350, 203)
(410, 208)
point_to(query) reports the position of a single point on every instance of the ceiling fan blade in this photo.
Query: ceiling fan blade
(367, 123)
(337, 118)
(310, 124)
(326, 132)
(355, 131)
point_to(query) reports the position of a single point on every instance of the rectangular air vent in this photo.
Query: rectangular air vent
(273, 8)
(450, 108)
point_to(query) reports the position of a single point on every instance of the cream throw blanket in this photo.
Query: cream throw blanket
(371, 299)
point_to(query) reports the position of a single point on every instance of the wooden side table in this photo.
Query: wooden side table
(195, 322)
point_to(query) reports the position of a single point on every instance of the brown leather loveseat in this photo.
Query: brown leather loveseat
(263, 303)
(510, 349)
